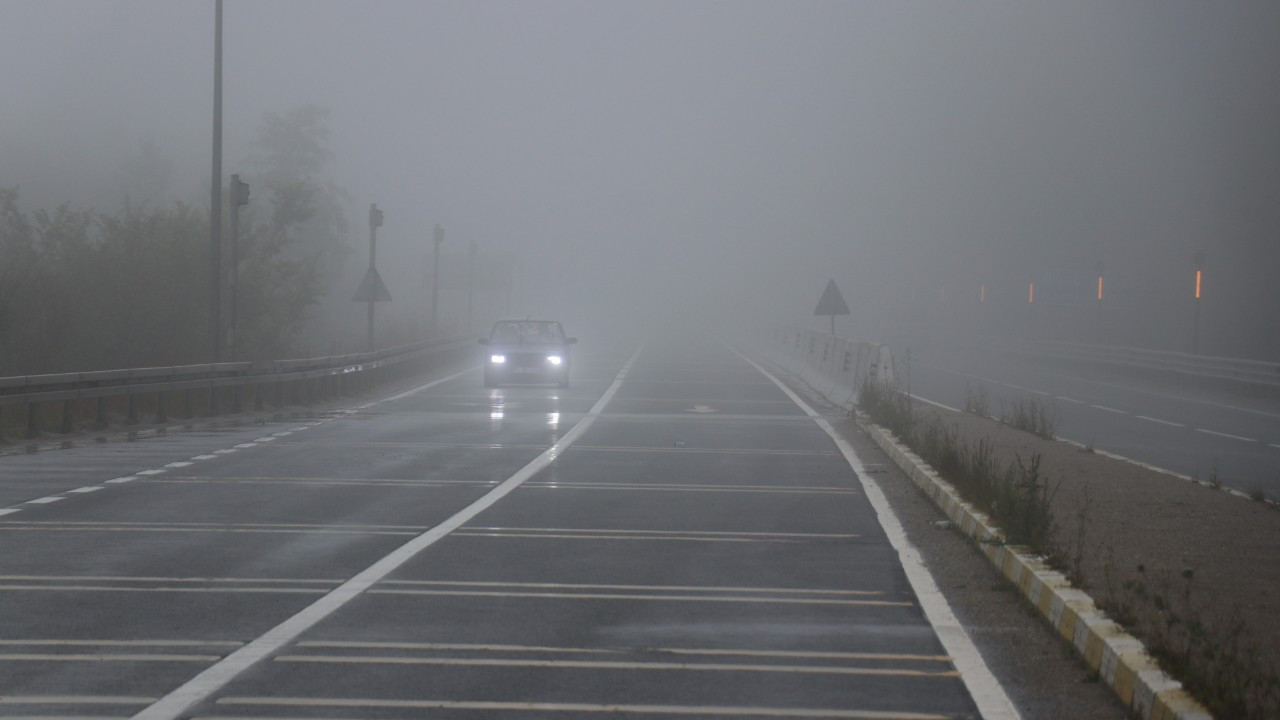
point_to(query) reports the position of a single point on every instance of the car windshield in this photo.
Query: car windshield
(527, 331)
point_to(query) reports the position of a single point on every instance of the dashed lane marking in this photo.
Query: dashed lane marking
(935, 404)
(694, 652)
(87, 489)
(1158, 420)
(618, 665)
(9, 511)
(1224, 435)
(674, 487)
(105, 657)
(761, 600)
(646, 588)
(673, 537)
(74, 700)
(1070, 400)
(215, 677)
(1109, 409)
(121, 480)
(205, 457)
(45, 500)
(611, 709)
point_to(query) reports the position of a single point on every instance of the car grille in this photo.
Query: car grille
(528, 360)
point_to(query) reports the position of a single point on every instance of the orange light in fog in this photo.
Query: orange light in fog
(1198, 274)
(1099, 287)
(1031, 293)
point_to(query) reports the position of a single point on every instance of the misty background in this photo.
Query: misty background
(635, 164)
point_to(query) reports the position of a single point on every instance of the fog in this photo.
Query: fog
(646, 163)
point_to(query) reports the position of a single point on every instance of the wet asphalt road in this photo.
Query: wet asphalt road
(702, 549)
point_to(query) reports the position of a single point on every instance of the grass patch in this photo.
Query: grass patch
(977, 401)
(1033, 415)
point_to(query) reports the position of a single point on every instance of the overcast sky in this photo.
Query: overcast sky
(710, 154)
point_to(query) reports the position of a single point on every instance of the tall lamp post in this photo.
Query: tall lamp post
(215, 201)
(437, 237)
(471, 283)
(375, 222)
(1097, 328)
(239, 197)
(1195, 317)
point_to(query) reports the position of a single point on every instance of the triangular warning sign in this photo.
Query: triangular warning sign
(372, 288)
(831, 303)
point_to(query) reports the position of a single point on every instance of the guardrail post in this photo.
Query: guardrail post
(132, 419)
(162, 414)
(68, 416)
(33, 420)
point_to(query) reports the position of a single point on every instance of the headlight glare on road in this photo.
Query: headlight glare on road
(555, 359)
(497, 359)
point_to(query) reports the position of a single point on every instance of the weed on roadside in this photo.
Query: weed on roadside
(1033, 415)
(977, 401)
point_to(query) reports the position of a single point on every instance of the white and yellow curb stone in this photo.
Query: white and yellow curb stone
(1120, 659)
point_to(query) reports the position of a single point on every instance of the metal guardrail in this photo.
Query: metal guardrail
(300, 380)
(1253, 372)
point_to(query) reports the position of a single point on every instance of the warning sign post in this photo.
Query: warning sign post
(832, 304)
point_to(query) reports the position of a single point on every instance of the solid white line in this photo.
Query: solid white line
(1158, 420)
(988, 695)
(614, 665)
(1224, 435)
(1110, 410)
(213, 678)
(45, 500)
(931, 402)
(1071, 400)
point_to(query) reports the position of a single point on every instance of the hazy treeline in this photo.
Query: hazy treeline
(84, 289)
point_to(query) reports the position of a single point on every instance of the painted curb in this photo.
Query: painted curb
(1120, 659)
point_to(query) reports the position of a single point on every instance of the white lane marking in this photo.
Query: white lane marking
(244, 446)
(987, 693)
(263, 440)
(213, 678)
(73, 700)
(494, 706)
(158, 471)
(118, 643)
(180, 464)
(105, 657)
(647, 588)
(420, 388)
(87, 489)
(1070, 400)
(120, 480)
(1158, 420)
(615, 665)
(824, 536)
(933, 403)
(228, 451)
(1224, 435)
(299, 428)
(45, 500)
(696, 652)
(283, 433)
(9, 511)
(205, 457)
(763, 600)
(1274, 445)
(1108, 409)
(151, 578)
(1040, 392)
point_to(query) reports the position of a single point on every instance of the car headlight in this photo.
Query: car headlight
(555, 359)
(497, 359)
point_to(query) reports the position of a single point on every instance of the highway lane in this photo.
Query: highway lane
(703, 547)
(1190, 430)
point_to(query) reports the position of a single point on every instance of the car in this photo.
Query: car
(527, 351)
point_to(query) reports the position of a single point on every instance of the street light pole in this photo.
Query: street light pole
(1195, 317)
(437, 238)
(215, 200)
(239, 196)
(375, 221)
(471, 283)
